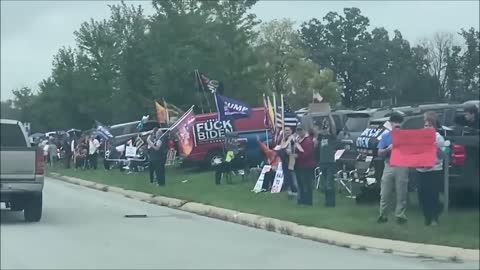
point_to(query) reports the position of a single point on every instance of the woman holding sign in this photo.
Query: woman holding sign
(430, 179)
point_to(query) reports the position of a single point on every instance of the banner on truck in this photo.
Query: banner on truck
(212, 131)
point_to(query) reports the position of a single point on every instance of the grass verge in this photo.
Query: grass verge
(460, 228)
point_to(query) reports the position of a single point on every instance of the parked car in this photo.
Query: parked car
(21, 171)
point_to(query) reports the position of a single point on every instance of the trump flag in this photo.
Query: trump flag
(230, 109)
(413, 148)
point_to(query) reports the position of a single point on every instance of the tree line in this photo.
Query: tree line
(121, 64)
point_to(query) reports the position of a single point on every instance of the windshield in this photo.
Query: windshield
(356, 124)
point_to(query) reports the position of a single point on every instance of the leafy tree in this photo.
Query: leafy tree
(280, 52)
(471, 63)
(8, 111)
(339, 44)
(438, 52)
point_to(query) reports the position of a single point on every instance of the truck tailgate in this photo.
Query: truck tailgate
(17, 164)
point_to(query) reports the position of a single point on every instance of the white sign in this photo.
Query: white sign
(259, 184)
(278, 182)
(339, 153)
(131, 151)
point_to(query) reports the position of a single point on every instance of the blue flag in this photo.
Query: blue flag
(103, 132)
(230, 109)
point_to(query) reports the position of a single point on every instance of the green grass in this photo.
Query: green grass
(460, 228)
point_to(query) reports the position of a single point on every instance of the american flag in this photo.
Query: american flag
(289, 119)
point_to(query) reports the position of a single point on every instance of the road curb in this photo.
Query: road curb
(290, 228)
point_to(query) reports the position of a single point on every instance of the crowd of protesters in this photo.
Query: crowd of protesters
(300, 150)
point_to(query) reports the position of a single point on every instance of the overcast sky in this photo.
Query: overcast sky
(33, 31)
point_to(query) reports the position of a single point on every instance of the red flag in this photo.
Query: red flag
(413, 148)
(183, 131)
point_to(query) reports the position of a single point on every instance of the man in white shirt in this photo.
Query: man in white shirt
(93, 145)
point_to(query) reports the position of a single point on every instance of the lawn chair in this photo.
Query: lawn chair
(171, 157)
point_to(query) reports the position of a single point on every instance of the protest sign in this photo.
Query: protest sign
(413, 148)
(259, 184)
(278, 181)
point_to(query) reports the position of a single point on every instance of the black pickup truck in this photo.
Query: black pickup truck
(464, 165)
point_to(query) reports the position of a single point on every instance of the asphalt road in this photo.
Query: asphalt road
(86, 229)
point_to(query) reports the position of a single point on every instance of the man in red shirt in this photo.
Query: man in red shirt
(304, 166)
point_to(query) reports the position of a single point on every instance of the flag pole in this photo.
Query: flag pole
(283, 116)
(265, 105)
(274, 110)
(178, 121)
(203, 90)
(200, 88)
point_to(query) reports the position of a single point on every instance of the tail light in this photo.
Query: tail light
(39, 162)
(458, 154)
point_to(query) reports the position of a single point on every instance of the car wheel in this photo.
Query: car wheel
(213, 157)
(33, 208)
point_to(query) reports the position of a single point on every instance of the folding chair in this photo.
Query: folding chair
(171, 157)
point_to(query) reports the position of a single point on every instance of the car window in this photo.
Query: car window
(318, 120)
(12, 136)
(356, 124)
(413, 123)
(338, 121)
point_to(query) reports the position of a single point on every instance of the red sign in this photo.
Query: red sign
(413, 148)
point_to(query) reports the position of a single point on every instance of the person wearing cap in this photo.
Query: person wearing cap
(393, 178)
(304, 165)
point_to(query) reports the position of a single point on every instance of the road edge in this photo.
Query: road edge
(332, 237)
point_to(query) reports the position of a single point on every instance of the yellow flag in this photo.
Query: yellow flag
(271, 113)
(161, 113)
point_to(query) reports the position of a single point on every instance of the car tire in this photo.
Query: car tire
(211, 157)
(16, 207)
(33, 208)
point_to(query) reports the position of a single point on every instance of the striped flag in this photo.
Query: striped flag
(288, 119)
(103, 131)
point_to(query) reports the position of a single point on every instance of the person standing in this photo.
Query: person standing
(52, 152)
(285, 152)
(326, 141)
(93, 145)
(163, 149)
(304, 166)
(159, 157)
(151, 158)
(430, 179)
(393, 178)
(68, 152)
